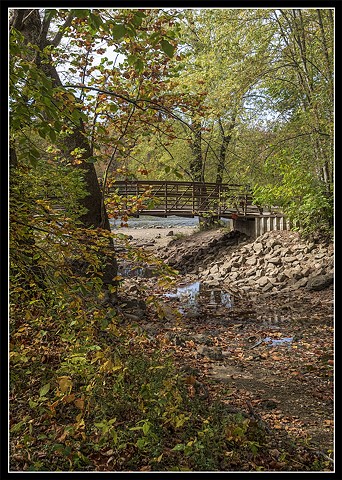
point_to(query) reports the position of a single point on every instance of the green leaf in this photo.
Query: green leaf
(99, 424)
(32, 404)
(178, 447)
(44, 390)
(95, 20)
(154, 38)
(57, 125)
(52, 135)
(131, 59)
(141, 442)
(167, 48)
(33, 156)
(118, 31)
(50, 13)
(17, 427)
(139, 65)
(146, 428)
(80, 13)
(91, 160)
(42, 132)
(138, 17)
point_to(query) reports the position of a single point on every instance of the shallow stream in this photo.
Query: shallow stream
(147, 221)
(194, 297)
(198, 294)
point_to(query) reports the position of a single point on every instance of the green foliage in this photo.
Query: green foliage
(299, 194)
(267, 76)
(95, 387)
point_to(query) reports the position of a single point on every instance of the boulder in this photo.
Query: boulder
(320, 282)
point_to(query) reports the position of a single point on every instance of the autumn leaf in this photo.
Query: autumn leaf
(65, 384)
(79, 403)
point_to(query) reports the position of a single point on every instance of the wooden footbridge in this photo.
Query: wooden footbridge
(187, 199)
(190, 199)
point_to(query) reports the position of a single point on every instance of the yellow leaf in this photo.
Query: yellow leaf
(65, 384)
(80, 421)
(79, 403)
(69, 398)
(63, 436)
(116, 367)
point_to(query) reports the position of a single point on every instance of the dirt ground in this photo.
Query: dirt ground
(289, 385)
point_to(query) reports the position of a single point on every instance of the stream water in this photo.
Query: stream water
(278, 341)
(193, 296)
(147, 221)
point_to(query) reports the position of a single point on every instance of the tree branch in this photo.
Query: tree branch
(56, 41)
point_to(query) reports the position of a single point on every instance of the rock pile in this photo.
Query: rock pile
(275, 261)
(189, 254)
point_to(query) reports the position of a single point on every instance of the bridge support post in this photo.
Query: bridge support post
(247, 226)
(254, 227)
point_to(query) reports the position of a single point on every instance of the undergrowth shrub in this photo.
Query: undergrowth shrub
(93, 395)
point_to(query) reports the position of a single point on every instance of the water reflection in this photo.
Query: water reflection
(197, 295)
(278, 341)
(131, 271)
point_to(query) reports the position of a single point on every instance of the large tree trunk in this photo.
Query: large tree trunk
(94, 217)
(30, 24)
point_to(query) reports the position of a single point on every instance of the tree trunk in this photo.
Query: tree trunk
(226, 138)
(196, 164)
(29, 23)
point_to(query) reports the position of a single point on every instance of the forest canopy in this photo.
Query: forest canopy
(219, 95)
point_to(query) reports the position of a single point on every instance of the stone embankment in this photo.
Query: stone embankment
(276, 261)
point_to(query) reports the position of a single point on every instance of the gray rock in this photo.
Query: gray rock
(320, 282)
(300, 283)
(262, 281)
(214, 353)
(275, 260)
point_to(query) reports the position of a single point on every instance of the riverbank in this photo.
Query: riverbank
(153, 238)
(156, 232)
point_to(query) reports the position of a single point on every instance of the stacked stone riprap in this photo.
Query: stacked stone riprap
(275, 261)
